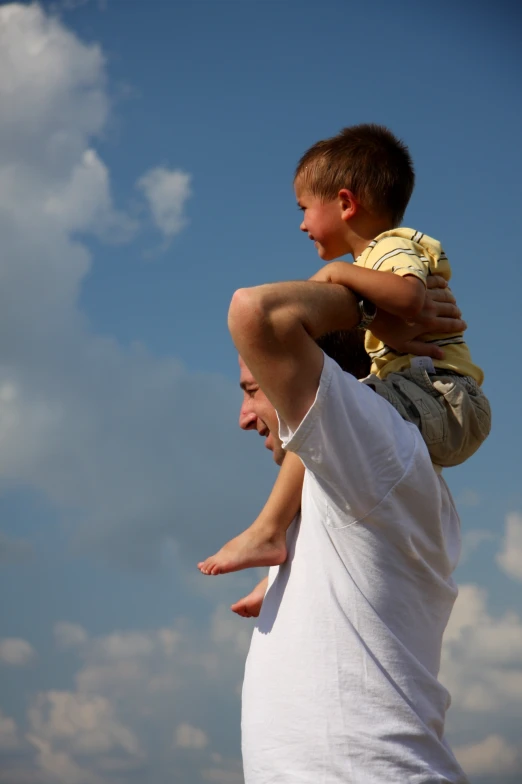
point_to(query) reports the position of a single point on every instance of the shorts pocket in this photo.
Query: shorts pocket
(417, 386)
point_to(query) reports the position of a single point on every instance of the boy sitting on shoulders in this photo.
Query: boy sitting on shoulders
(353, 190)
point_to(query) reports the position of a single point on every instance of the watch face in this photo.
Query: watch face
(369, 308)
(367, 312)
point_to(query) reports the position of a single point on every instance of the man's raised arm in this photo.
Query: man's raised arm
(274, 328)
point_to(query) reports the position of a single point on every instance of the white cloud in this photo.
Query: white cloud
(115, 439)
(72, 5)
(77, 738)
(9, 736)
(491, 756)
(482, 668)
(223, 771)
(127, 681)
(69, 635)
(52, 89)
(87, 724)
(83, 202)
(16, 652)
(510, 556)
(138, 664)
(166, 191)
(57, 767)
(482, 656)
(188, 737)
(127, 646)
(52, 86)
(471, 541)
(127, 664)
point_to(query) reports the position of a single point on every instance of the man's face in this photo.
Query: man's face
(257, 413)
(322, 221)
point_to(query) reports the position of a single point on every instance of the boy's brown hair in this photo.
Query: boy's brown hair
(366, 159)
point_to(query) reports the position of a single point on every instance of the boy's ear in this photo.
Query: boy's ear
(348, 203)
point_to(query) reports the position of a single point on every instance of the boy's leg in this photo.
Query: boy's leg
(450, 410)
(264, 542)
(250, 606)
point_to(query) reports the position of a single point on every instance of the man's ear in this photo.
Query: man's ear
(348, 203)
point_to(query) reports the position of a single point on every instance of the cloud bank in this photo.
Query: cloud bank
(115, 439)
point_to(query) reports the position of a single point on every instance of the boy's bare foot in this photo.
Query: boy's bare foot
(250, 606)
(254, 547)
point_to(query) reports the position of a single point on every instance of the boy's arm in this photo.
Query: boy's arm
(401, 295)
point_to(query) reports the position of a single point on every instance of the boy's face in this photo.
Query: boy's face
(323, 222)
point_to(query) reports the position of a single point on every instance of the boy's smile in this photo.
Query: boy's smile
(323, 222)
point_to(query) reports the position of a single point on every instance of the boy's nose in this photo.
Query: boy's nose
(303, 227)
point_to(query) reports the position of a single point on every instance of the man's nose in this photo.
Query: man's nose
(247, 418)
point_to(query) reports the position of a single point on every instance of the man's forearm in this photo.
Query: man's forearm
(274, 328)
(275, 309)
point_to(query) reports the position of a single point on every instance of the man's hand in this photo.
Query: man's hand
(439, 314)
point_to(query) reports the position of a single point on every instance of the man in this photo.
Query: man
(341, 678)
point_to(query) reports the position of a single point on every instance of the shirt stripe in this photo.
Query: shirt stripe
(397, 252)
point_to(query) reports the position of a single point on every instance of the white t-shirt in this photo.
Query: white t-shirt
(341, 678)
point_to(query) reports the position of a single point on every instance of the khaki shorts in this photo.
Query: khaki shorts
(450, 410)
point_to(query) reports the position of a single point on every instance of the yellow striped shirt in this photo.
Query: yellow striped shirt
(408, 252)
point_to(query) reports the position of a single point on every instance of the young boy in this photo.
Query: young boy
(353, 190)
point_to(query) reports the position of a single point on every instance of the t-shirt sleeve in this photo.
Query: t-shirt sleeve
(400, 256)
(353, 442)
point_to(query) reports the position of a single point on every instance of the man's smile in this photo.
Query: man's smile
(265, 433)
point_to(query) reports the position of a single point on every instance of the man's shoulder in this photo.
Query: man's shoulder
(348, 415)
(357, 446)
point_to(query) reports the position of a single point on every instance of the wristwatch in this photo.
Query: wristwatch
(367, 313)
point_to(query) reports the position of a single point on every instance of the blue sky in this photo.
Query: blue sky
(146, 159)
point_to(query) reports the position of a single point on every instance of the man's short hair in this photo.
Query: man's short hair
(366, 159)
(347, 349)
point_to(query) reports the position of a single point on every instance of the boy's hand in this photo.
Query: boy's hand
(401, 295)
(439, 314)
(323, 275)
